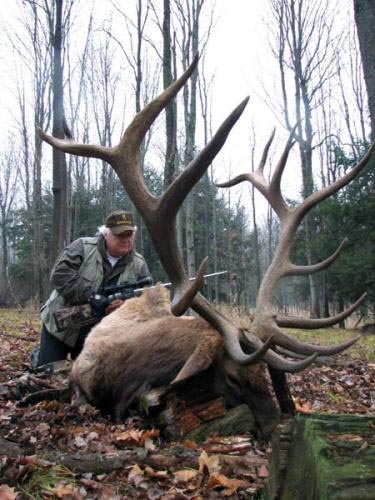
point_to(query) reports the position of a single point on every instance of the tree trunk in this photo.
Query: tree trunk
(59, 188)
(39, 268)
(171, 109)
(4, 257)
(190, 48)
(364, 11)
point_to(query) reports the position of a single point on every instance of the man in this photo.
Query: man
(83, 267)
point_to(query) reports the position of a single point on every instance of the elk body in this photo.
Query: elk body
(265, 340)
(142, 345)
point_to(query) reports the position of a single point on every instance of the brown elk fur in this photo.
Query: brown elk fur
(142, 345)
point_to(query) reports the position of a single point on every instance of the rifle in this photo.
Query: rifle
(91, 313)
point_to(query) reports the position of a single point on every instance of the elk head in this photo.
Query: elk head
(159, 215)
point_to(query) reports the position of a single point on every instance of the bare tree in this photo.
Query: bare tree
(305, 52)
(32, 46)
(171, 110)
(145, 79)
(8, 189)
(365, 19)
(189, 42)
(210, 242)
(60, 180)
(254, 220)
(103, 80)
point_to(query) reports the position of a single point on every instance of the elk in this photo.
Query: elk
(114, 370)
(259, 345)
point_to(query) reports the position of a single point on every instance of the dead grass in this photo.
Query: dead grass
(364, 347)
(27, 322)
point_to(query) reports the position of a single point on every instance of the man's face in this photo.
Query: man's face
(120, 244)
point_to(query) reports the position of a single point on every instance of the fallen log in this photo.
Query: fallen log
(173, 458)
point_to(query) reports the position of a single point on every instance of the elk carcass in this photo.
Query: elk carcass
(142, 345)
(265, 336)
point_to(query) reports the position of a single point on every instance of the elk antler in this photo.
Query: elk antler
(266, 322)
(159, 215)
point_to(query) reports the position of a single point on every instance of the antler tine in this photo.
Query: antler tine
(327, 191)
(185, 295)
(275, 197)
(258, 178)
(144, 119)
(258, 354)
(266, 149)
(75, 148)
(314, 268)
(235, 180)
(182, 185)
(271, 191)
(283, 340)
(284, 365)
(280, 363)
(315, 323)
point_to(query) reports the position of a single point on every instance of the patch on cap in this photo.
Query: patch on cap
(120, 221)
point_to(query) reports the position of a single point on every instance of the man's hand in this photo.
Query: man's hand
(98, 304)
(114, 305)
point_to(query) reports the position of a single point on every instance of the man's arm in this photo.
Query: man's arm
(65, 276)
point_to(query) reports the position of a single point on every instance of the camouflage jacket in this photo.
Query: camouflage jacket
(81, 269)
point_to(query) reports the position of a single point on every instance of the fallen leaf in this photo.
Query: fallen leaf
(136, 437)
(136, 475)
(338, 389)
(262, 472)
(7, 493)
(230, 485)
(185, 475)
(92, 436)
(43, 428)
(67, 492)
(149, 444)
(158, 474)
(208, 464)
(191, 445)
(80, 442)
(304, 408)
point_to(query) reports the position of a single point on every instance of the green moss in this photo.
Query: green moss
(332, 458)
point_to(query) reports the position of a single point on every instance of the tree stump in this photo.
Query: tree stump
(330, 457)
(192, 409)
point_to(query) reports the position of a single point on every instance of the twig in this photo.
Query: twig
(18, 337)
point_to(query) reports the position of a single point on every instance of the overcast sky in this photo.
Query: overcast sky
(238, 56)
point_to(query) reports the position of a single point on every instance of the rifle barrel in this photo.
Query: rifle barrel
(191, 279)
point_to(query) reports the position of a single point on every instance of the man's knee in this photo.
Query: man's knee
(51, 349)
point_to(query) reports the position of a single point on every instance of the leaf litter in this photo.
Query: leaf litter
(35, 438)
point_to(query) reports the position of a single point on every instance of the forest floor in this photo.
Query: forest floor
(38, 441)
